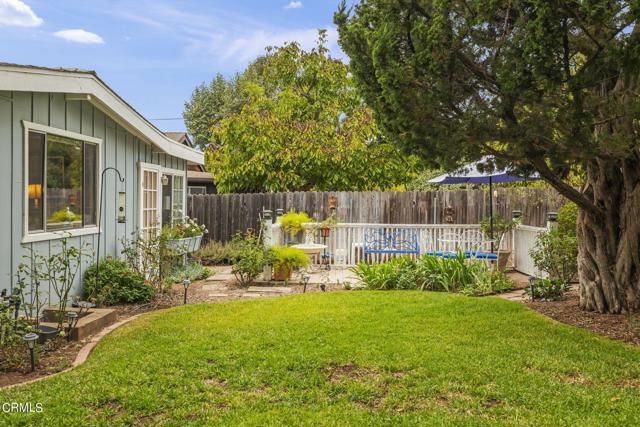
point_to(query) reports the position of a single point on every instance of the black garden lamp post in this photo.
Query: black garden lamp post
(516, 214)
(31, 339)
(72, 320)
(432, 279)
(279, 212)
(305, 279)
(186, 283)
(532, 283)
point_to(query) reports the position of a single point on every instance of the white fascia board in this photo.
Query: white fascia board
(27, 79)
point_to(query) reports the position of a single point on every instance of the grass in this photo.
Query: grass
(349, 358)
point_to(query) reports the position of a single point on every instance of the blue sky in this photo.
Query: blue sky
(154, 52)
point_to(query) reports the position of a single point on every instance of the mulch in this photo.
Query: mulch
(620, 327)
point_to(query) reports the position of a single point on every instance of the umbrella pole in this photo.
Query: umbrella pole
(491, 211)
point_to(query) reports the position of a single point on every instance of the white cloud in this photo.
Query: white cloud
(17, 13)
(79, 36)
(248, 46)
(294, 5)
(219, 38)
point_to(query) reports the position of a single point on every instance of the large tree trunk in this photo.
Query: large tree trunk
(609, 243)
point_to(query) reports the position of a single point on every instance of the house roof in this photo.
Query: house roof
(86, 85)
(181, 137)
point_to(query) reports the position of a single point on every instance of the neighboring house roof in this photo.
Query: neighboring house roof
(199, 177)
(181, 137)
(86, 85)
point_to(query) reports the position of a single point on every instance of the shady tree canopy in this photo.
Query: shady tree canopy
(303, 127)
(540, 85)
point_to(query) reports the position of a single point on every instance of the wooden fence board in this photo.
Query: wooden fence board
(225, 214)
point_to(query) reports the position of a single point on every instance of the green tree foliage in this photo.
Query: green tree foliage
(303, 127)
(208, 105)
(540, 85)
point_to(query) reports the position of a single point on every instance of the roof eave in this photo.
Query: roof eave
(33, 79)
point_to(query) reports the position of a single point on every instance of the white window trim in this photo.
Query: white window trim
(53, 235)
(162, 170)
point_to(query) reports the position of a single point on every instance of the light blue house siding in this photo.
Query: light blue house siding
(120, 149)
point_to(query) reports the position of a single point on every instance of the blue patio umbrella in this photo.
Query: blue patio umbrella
(471, 174)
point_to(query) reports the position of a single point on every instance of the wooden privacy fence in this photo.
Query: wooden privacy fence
(226, 214)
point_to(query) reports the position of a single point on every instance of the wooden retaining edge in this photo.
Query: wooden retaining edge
(82, 355)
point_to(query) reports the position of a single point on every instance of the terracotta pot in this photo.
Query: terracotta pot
(282, 274)
(325, 231)
(503, 258)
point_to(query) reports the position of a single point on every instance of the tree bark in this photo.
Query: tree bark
(609, 243)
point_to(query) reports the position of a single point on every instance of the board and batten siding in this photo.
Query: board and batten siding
(120, 149)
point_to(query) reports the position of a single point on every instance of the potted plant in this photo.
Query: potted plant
(285, 259)
(326, 225)
(501, 226)
(293, 222)
(185, 235)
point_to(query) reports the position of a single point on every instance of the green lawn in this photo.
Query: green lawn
(349, 358)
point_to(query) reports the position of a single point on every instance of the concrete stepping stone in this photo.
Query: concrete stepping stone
(258, 295)
(216, 287)
(218, 295)
(269, 289)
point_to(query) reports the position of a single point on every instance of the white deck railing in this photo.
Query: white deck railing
(346, 241)
(524, 239)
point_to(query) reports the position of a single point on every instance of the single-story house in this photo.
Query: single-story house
(199, 181)
(59, 130)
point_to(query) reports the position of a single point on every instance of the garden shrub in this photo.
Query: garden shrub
(547, 289)
(286, 257)
(292, 221)
(488, 282)
(116, 284)
(12, 348)
(192, 271)
(217, 253)
(251, 259)
(455, 274)
(556, 251)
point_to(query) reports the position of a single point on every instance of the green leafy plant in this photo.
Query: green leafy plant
(64, 215)
(397, 273)
(217, 253)
(501, 226)
(568, 219)
(488, 282)
(556, 251)
(183, 228)
(251, 259)
(292, 222)
(60, 270)
(285, 258)
(150, 256)
(116, 283)
(30, 288)
(192, 271)
(454, 274)
(547, 289)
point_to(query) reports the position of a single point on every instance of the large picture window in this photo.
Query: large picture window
(62, 182)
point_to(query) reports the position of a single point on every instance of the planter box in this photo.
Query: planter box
(186, 245)
(89, 322)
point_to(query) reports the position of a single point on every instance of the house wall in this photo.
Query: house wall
(120, 149)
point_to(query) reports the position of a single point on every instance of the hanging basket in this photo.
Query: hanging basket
(185, 245)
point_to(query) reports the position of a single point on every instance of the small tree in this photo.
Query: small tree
(303, 127)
